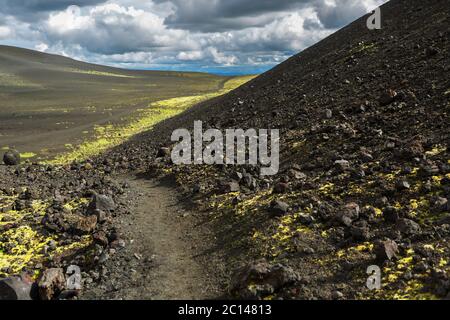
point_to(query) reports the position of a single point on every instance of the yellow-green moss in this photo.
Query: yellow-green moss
(12, 80)
(27, 155)
(23, 244)
(98, 73)
(369, 47)
(19, 247)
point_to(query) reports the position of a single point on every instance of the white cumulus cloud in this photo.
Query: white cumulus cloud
(5, 32)
(167, 33)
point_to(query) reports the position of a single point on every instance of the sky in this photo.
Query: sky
(217, 36)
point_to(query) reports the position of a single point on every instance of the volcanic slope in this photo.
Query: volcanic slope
(365, 166)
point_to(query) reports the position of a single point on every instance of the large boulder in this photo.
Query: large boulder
(51, 283)
(260, 279)
(101, 202)
(15, 288)
(11, 158)
(81, 224)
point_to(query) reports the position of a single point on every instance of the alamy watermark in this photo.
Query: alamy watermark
(374, 20)
(374, 280)
(73, 281)
(233, 147)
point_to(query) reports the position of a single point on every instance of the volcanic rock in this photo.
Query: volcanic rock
(81, 224)
(349, 213)
(408, 227)
(259, 279)
(11, 158)
(391, 214)
(402, 185)
(281, 187)
(296, 174)
(100, 238)
(387, 97)
(51, 283)
(386, 250)
(360, 231)
(15, 288)
(279, 208)
(228, 186)
(342, 164)
(101, 202)
(163, 152)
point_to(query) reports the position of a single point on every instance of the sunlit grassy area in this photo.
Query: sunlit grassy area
(98, 73)
(112, 135)
(27, 155)
(11, 80)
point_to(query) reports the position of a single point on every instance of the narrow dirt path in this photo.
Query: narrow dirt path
(159, 229)
(167, 254)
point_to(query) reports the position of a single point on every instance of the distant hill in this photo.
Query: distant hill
(22, 69)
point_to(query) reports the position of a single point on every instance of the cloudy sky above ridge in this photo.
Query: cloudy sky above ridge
(222, 36)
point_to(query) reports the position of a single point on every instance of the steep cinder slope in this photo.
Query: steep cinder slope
(364, 117)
